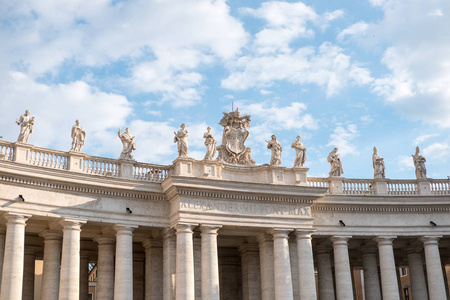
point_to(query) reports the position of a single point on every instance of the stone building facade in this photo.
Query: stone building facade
(207, 230)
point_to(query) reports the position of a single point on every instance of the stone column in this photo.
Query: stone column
(251, 273)
(14, 255)
(388, 270)
(28, 273)
(371, 280)
(344, 289)
(282, 265)
(325, 273)
(153, 269)
(52, 263)
(434, 270)
(417, 275)
(123, 279)
(198, 265)
(69, 281)
(266, 266)
(307, 278)
(138, 276)
(84, 276)
(105, 267)
(169, 263)
(210, 262)
(185, 282)
(2, 250)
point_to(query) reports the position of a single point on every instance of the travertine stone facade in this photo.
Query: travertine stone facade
(211, 230)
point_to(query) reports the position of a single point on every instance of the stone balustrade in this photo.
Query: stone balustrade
(130, 169)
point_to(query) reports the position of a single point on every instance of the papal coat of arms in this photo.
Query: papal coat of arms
(235, 132)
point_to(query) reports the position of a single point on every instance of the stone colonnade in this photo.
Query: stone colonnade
(280, 265)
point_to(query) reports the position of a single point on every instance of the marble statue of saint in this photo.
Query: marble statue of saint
(128, 144)
(210, 144)
(181, 140)
(419, 163)
(335, 162)
(26, 127)
(78, 136)
(300, 152)
(378, 164)
(275, 146)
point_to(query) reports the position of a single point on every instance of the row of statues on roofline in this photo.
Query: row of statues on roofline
(232, 150)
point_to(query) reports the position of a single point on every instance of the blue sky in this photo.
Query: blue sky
(346, 74)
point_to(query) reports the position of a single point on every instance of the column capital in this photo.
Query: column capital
(51, 234)
(414, 249)
(105, 239)
(340, 239)
(264, 237)
(304, 233)
(16, 218)
(72, 224)
(383, 240)
(369, 249)
(185, 228)
(152, 243)
(323, 249)
(122, 229)
(430, 240)
(209, 229)
(167, 233)
(281, 233)
(248, 247)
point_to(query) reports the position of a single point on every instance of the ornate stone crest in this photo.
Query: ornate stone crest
(235, 132)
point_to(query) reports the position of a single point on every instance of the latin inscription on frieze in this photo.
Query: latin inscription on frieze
(243, 208)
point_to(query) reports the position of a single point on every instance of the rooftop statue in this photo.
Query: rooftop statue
(181, 140)
(26, 127)
(128, 144)
(335, 162)
(235, 132)
(78, 136)
(210, 144)
(275, 146)
(378, 164)
(419, 163)
(300, 152)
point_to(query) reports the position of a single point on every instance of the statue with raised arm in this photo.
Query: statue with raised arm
(128, 144)
(335, 162)
(378, 164)
(419, 163)
(78, 136)
(26, 127)
(181, 140)
(275, 146)
(210, 144)
(300, 152)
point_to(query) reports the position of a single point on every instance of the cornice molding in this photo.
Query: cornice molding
(425, 208)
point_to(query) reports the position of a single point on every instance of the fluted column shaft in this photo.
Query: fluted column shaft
(434, 269)
(28, 273)
(325, 273)
(52, 263)
(282, 265)
(417, 275)
(371, 280)
(84, 277)
(105, 267)
(14, 256)
(185, 282)
(169, 263)
(267, 266)
(307, 278)
(210, 262)
(123, 279)
(69, 282)
(388, 270)
(344, 289)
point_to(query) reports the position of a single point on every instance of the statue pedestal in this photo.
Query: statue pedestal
(183, 166)
(336, 185)
(276, 175)
(22, 153)
(126, 168)
(380, 186)
(212, 169)
(76, 160)
(424, 186)
(300, 176)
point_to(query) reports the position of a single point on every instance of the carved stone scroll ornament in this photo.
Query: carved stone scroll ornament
(235, 132)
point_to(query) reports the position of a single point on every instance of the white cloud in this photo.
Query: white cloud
(343, 138)
(422, 138)
(437, 152)
(366, 119)
(357, 29)
(405, 162)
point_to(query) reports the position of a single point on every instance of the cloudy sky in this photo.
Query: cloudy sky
(346, 74)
